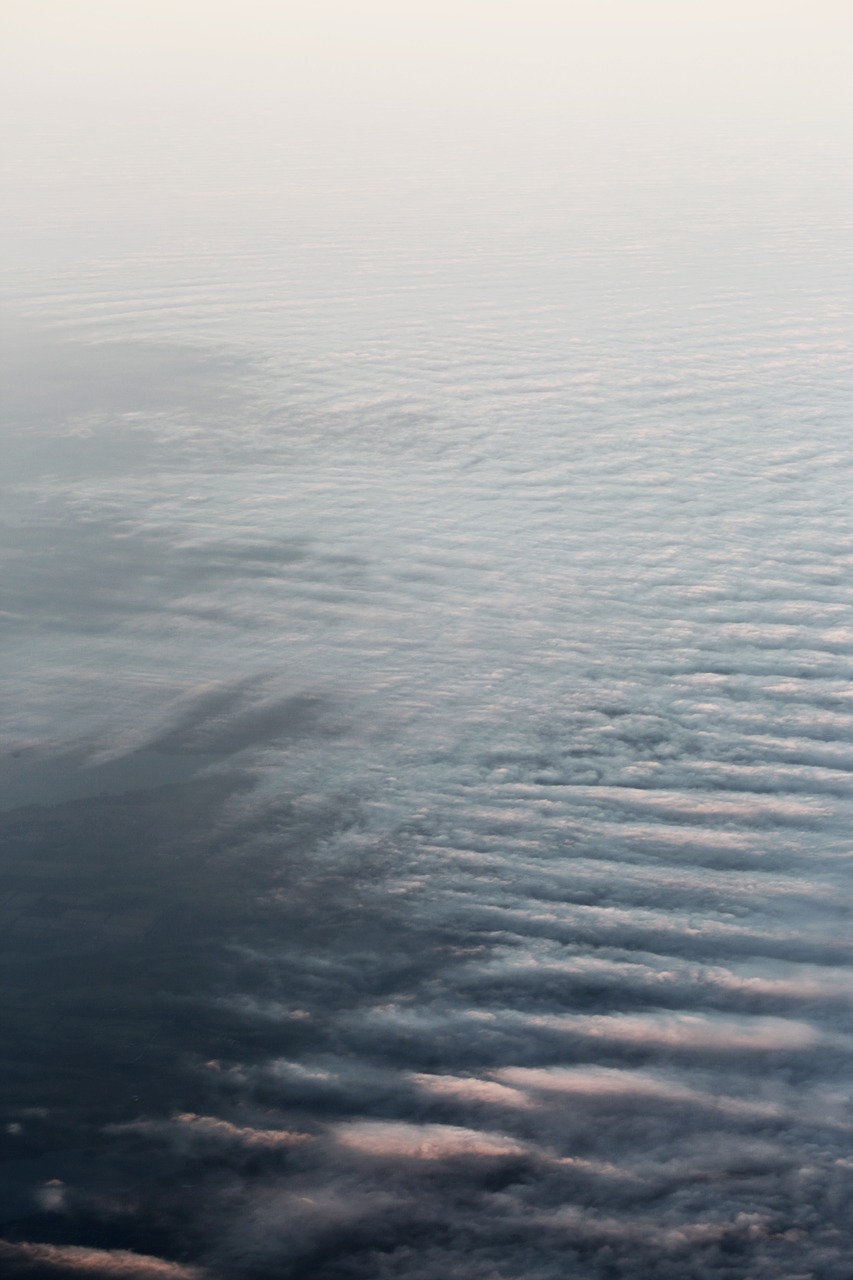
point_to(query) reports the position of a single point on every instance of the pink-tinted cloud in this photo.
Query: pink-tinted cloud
(688, 1031)
(210, 1129)
(42, 1260)
(601, 1082)
(470, 1089)
(390, 1139)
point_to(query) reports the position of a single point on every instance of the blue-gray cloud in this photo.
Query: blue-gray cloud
(427, 757)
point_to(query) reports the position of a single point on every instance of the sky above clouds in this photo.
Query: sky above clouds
(636, 57)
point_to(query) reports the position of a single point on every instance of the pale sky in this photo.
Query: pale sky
(412, 48)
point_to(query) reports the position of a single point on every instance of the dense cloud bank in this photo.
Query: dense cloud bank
(426, 767)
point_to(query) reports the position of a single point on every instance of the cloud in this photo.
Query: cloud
(51, 1197)
(688, 1031)
(616, 1083)
(395, 1140)
(470, 1089)
(46, 1260)
(191, 1133)
(427, 737)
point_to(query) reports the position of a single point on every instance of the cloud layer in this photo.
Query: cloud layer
(426, 747)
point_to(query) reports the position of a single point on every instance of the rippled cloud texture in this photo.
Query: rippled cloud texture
(427, 633)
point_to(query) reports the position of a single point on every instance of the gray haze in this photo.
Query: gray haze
(427, 643)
